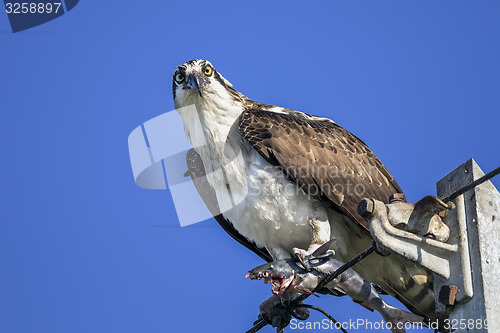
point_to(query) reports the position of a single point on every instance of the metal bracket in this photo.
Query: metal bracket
(417, 232)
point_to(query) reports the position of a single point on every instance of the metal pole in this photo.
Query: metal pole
(477, 308)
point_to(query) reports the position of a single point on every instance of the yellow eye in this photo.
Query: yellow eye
(208, 71)
(179, 77)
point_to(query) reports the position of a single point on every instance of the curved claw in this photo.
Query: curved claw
(302, 257)
(305, 259)
(328, 254)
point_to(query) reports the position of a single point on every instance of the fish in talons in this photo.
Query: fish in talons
(289, 277)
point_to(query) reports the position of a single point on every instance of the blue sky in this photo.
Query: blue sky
(83, 249)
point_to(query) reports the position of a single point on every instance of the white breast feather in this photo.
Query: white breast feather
(266, 208)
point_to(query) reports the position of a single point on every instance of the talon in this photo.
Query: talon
(303, 258)
(328, 254)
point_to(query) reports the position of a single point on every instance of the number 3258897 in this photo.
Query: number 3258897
(32, 7)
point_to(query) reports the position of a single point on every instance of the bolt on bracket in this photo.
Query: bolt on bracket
(418, 233)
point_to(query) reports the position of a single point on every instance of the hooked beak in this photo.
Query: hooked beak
(195, 81)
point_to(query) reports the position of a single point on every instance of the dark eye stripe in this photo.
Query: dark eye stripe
(181, 71)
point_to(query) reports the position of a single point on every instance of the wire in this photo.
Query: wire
(337, 324)
(343, 268)
(475, 183)
(260, 323)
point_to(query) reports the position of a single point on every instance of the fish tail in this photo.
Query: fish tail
(397, 319)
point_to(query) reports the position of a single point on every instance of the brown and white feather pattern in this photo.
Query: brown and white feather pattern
(276, 148)
(316, 153)
(325, 160)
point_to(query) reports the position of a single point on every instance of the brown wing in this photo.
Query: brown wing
(328, 162)
(197, 173)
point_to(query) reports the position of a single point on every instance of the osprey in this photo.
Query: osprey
(294, 180)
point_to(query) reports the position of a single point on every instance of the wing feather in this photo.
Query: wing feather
(328, 162)
(196, 171)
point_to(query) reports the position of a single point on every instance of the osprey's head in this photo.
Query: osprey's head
(195, 80)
